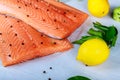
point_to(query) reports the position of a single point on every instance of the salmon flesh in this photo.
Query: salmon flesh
(20, 42)
(50, 17)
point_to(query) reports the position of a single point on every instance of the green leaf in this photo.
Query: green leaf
(78, 78)
(84, 38)
(93, 32)
(100, 26)
(114, 41)
(109, 34)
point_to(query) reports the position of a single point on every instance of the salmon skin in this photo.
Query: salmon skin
(45, 16)
(20, 42)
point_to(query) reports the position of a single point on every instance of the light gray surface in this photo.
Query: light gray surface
(64, 64)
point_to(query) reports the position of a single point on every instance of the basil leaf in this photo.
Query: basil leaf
(78, 78)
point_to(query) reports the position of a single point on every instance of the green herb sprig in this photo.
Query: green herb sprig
(108, 33)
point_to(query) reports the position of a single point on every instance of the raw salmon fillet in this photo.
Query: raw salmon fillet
(20, 42)
(64, 6)
(52, 18)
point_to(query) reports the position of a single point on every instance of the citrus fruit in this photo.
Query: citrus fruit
(98, 8)
(93, 52)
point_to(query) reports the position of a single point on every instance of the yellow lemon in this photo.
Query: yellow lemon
(98, 8)
(93, 52)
